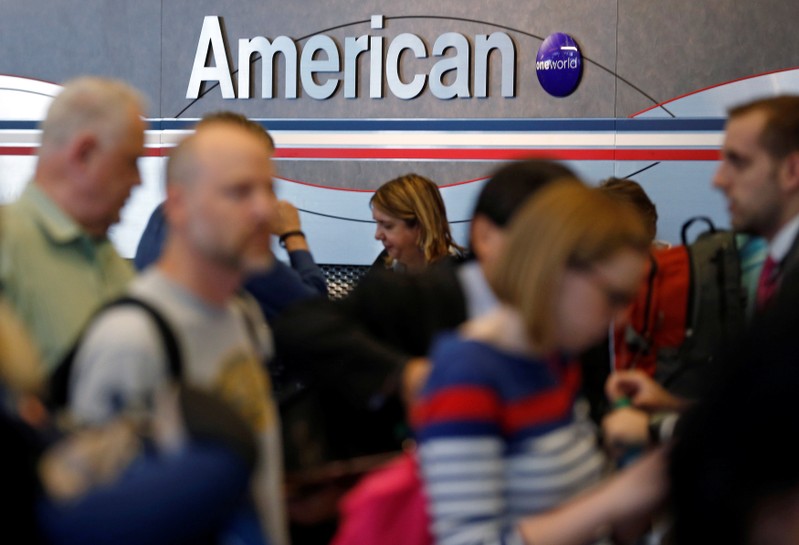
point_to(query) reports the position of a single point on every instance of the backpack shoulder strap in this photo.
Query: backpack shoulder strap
(59, 381)
(168, 339)
(711, 227)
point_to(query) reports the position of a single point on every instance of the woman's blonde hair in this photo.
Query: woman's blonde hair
(565, 225)
(416, 200)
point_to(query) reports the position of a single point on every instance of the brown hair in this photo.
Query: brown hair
(631, 191)
(416, 200)
(564, 225)
(780, 135)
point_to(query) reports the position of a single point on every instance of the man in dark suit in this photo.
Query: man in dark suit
(759, 175)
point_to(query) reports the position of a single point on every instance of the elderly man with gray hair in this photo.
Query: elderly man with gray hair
(56, 262)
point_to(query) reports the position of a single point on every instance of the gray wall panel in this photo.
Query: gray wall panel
(55, 40)
(665, 49)
(675, 47)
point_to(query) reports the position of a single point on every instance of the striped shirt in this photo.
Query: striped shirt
(498, 439)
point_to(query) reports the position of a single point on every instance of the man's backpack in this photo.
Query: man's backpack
(690, 304)
(59, 382)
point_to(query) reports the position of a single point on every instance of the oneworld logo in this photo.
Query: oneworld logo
(559, 64)
(456, 66)
(562, 64)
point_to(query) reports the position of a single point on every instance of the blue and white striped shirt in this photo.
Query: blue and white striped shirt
(498, 440)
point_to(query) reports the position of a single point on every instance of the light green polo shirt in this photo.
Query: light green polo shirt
(54, 274)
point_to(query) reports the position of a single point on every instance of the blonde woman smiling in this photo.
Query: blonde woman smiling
(412, 224)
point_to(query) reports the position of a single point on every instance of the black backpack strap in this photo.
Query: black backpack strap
(168, 340)
(687, 225)
(59, 381)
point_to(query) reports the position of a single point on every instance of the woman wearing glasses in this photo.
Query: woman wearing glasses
(499, 437)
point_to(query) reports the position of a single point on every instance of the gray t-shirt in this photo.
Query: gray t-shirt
(121, 365)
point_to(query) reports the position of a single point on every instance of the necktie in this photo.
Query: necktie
(767, 284)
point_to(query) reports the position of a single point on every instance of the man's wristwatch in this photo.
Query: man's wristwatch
(282, 238)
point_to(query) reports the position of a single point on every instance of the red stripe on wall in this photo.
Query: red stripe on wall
(33, 150)
(493, 154)
(667, 155)
(503, 154)
(15, 150)
(452, 154)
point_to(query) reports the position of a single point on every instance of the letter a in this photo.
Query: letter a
(211, 38)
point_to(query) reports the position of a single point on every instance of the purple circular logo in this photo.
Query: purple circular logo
(559, 64)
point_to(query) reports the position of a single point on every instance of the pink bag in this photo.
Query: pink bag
(387, 507)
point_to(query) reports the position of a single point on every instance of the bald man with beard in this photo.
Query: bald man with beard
(220, 202)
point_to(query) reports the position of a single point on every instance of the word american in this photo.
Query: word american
(319, 64)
